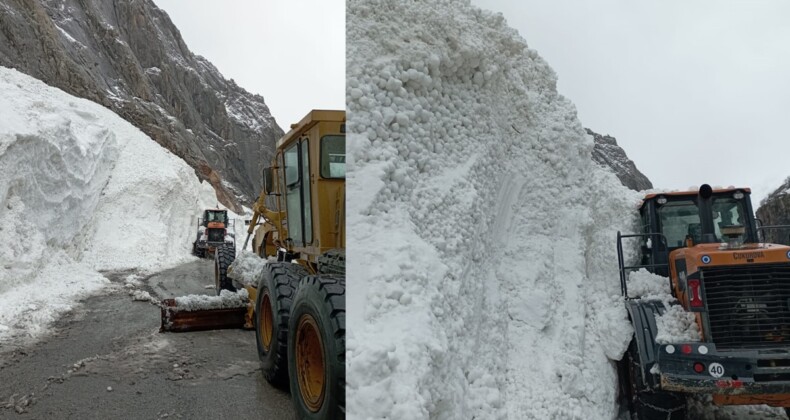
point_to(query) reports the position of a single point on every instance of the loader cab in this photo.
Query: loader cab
(694, 217)
(215, 216)
(309, 183)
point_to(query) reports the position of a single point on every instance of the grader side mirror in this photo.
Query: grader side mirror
(267, 180)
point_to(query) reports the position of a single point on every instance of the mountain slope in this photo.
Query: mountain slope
(606, 152)
(775, 210)
(128, 56)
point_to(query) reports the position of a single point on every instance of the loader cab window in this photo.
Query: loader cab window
(676, 219)
(333, 156)
(216, 216)
(727, 212)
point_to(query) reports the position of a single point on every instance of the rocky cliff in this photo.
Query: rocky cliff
(128, 56)
(609, 154)
(775, 210)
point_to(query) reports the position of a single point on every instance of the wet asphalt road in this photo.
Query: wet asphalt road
(107, 360)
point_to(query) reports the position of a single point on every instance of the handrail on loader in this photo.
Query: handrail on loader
(621, 262)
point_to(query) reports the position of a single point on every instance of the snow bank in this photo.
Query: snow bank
(481, 235)
(81, 190)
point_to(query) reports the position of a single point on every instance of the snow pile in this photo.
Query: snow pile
(676, 325)
(225, 300)
(481, 235)
(82, 190)
(247, 268)
(646, 285)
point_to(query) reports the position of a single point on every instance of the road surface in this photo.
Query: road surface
(107, 359)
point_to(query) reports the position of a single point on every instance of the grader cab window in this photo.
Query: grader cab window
(677, 219)
(293, 194)
(333, 157)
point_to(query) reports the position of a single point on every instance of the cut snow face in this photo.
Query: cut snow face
(481, 235)
(82, 190)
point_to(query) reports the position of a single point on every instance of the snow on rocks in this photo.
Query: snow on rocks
(225, 300)
(481, 236)
(82, 190)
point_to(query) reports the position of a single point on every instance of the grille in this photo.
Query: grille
(216, 235)
(748, 306)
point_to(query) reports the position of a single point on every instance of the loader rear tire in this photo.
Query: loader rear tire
(224, 255)
(645, 403)
(276, 290)
(317, 347)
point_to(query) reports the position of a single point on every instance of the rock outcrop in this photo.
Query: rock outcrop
(775, 210)
(128, 56)
(606, 152)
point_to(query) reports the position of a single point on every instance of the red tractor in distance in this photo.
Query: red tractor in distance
(214, 229)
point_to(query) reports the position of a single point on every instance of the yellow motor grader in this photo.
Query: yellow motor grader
(297, 306)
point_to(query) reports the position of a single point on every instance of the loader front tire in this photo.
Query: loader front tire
(645, 403)
(316, 348)
(224, 255)
(276, 290)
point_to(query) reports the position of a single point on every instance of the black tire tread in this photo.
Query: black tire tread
(285, 279)
(332, 262)
(643, 402)
(224, 255)
(332, 291)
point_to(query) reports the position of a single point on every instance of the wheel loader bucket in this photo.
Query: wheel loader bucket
(176, 320)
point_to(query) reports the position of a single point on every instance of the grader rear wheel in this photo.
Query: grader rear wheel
(316, 348)
(276, 290)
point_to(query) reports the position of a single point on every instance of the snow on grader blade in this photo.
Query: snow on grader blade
(175, 319)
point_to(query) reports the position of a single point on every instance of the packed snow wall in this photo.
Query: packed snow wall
(481, 235)
(81, 190)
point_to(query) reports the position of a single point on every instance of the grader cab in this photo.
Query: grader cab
(297, 306)
(707, 243)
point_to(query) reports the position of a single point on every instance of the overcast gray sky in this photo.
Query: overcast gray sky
(290, 52)
(694, 91)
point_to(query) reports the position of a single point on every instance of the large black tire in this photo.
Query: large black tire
(224, 255)
(276, 290)
(332, 262)
(317, 348)
(644, 403)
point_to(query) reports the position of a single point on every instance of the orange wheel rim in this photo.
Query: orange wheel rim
(310, 363)
(265, 321)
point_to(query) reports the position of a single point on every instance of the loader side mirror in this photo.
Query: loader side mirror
(267, 180)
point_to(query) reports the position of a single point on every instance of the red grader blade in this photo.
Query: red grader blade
(176, 320)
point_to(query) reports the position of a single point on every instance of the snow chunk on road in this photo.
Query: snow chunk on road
(82, 190)
(247, 268)
(225, 300)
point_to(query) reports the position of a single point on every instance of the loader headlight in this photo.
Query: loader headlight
(661, 200)
(738, 195)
